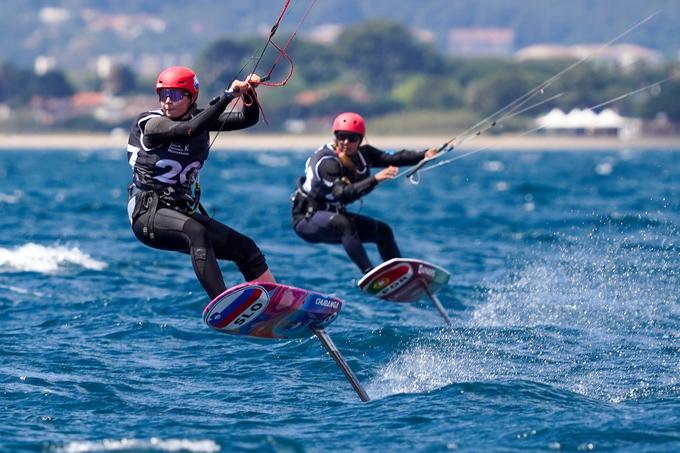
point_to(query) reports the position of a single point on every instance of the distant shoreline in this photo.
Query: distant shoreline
(307, 143)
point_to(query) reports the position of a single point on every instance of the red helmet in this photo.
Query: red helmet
(350, 122)
(179, 77)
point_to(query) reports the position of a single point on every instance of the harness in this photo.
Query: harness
(307, 200)
(304, 205)
(170, 197)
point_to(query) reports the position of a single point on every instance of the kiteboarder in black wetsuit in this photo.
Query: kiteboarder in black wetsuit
(339, 173)
(166, 149)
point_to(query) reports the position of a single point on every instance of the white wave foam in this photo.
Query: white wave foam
(14, 289)
(12, 198)
(592, 284)
(153, 444)
(493, 166)
(269, 160)
(39, 258)
(430, 364)
(413, 372)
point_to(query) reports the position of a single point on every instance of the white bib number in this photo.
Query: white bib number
(175, 169)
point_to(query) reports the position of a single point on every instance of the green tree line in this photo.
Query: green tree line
(379, 69)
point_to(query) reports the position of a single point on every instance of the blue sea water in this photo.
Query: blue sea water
(564, 299)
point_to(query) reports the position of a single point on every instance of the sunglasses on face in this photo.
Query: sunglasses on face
(175, 94)
(349, 136)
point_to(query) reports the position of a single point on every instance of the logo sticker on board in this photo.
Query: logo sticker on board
(237, 309)
(380, 283)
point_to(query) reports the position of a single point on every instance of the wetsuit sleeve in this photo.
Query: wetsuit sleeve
(231, 121)
(163, 129)
(378, 158)
(330, 172)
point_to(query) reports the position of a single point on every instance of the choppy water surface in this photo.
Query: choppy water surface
(564, 297)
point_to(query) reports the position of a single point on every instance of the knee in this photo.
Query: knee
(384, 230)
(198, 235)
(342, 225)
(200, 253)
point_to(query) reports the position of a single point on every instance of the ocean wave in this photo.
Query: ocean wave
(152, 444)
(270, 160)
(12, 198)
(33, 257)
(14, 289)
(428, 364)
(610, 284)
(566, 318)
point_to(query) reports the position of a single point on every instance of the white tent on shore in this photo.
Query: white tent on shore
(586, 121)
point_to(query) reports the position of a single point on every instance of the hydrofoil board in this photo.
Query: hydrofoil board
(272, 310)
(406, 280)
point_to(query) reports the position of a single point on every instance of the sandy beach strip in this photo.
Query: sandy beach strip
(307, 143)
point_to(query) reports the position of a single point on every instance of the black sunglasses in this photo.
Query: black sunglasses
(175, 94)
(349, 136)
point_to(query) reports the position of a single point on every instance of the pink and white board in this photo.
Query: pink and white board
(404, 280)
(270, 310)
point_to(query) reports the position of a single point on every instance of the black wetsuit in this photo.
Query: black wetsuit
(166, 156)
(319, 203)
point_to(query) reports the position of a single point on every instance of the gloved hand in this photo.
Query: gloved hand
(239, 87)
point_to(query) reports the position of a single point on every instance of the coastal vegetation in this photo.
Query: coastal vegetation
(376, 67)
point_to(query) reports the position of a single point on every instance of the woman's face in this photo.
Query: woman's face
(347, 142)
(175, 102)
